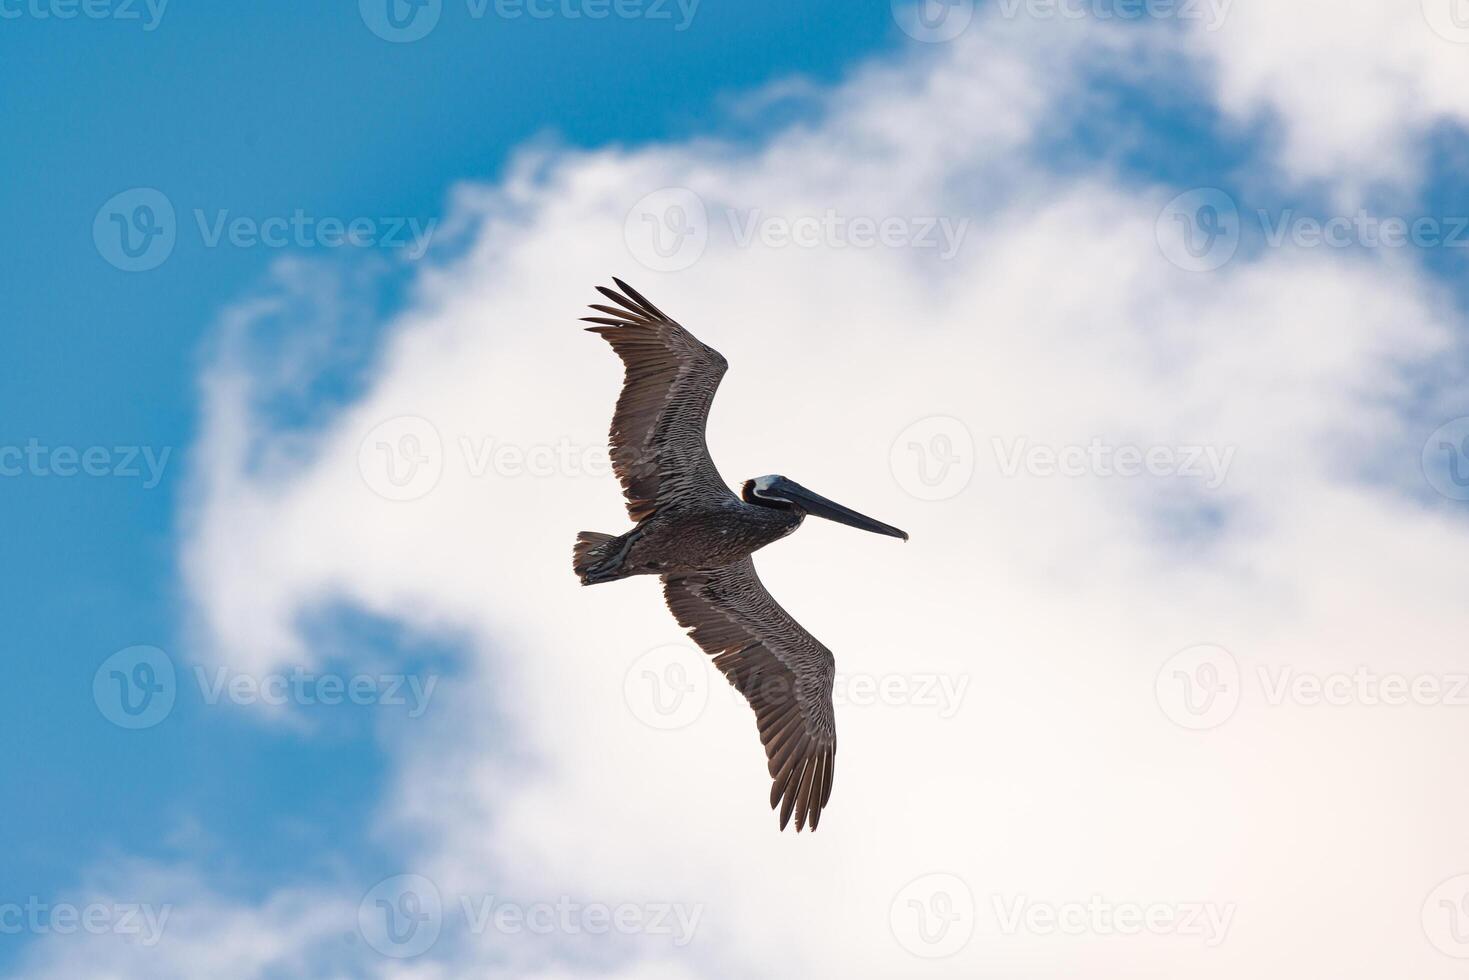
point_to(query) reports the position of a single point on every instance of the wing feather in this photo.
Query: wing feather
(657, 436)
(783, 671)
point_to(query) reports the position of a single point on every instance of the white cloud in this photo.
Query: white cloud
(1057, 600)
(170, 923)
(1355, 87)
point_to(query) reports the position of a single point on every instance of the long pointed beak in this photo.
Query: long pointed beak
(814, 503)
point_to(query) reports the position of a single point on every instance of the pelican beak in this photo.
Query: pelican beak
(813, 503)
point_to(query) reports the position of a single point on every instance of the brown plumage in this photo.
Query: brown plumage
(698, 536)
(658, 449)
(782, 670)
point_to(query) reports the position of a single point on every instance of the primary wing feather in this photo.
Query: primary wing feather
(783, 671)
(657, 435)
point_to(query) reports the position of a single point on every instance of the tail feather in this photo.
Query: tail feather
(591, 549)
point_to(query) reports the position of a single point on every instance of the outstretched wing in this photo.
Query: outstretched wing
(657, 437)
(784, 672)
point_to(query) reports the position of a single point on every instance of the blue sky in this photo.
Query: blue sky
(276, 107)
(260, 109)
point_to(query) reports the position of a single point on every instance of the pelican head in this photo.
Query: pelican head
(777, 491)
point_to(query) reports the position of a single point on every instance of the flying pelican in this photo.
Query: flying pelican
(698, 536)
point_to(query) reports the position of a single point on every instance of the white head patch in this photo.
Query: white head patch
(764, 483)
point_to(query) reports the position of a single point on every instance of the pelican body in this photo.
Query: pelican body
(696, 540)
(703, 538)
(698, 537)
